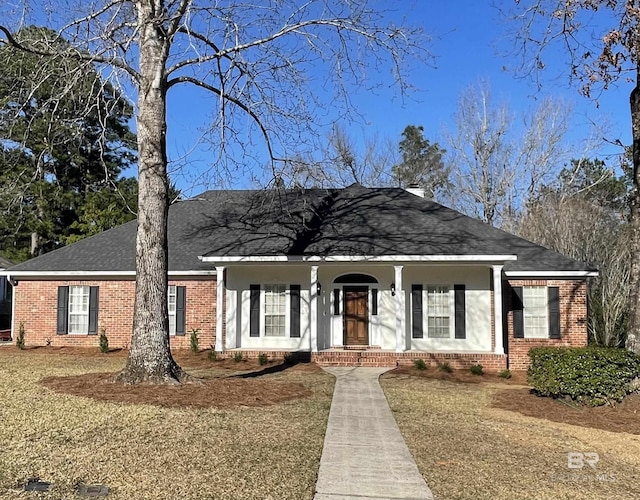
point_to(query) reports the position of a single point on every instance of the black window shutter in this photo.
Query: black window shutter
(518, 316)
(181, 308)
(63, 310)
(93, 309)
(294, 293)
(374, 301)
(254, 315)
(336, 302)
(416, 311)
(554, 312)
(461, 321)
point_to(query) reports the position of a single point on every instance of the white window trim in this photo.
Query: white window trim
(86, 289)
(425, 312)
(172, 331)
(546, 309)
(287, 310)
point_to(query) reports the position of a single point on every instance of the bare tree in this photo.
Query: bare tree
(341, 160)
(583, 230)
(496, 163)
(601, 42)
(256, 59)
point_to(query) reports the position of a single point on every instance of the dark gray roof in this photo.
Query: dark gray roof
(353, 221)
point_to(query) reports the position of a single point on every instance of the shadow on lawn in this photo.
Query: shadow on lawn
(290, 362)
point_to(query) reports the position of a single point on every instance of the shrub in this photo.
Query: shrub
(263, 359)
(590, 375)
(193, 339)
(445, 367)
(476, 369)
(212, 354)
(506, 373)
(419, 364)
(104, 341)
(290, 358)
(237, 357)
(20, 340)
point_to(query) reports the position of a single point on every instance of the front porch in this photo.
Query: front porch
(375, 356)
(429, 307)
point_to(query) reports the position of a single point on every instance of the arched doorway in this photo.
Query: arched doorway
(355, 298)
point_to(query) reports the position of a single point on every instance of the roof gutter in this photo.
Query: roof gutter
(356, 258)
(79, 274)
(551, 274)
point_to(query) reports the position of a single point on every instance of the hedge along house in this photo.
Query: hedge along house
(352, 276)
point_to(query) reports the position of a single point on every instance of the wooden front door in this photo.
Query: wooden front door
(356, 315)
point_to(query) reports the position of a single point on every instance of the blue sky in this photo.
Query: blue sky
(468, 40)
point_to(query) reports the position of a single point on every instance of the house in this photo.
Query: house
(352, 276)
(6, 295)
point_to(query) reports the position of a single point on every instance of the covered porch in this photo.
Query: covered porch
(363, 311)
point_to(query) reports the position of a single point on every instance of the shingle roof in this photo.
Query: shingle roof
(353, 221)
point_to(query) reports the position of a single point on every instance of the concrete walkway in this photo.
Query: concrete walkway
(364, 454)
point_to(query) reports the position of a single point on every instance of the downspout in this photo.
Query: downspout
(14, 285)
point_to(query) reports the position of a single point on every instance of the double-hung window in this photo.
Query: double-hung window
(440, 309)
(275, 310)
(172, 301)
(438, 312)
(536, 319)
(176, 305)
(536, 312)
(77, 310)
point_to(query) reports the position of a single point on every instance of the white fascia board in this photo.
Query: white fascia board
(551, 274)
(106, 274)
(360, 258)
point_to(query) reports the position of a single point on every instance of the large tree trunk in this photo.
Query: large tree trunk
(150, 359)
(634, 277)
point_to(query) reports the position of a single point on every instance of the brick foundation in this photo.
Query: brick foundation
(458, 361)
(573, 320)
(36, 309)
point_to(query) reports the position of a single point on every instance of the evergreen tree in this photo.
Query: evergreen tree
(422, 162)
(64, 137)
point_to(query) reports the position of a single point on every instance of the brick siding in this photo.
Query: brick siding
(36, 308)
(573, 319)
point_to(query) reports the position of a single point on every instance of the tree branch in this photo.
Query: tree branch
(76, 54)
(237, 102)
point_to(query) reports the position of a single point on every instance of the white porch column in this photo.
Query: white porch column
(313, 309)
(497, 309)
(220, 289)
(399, 305)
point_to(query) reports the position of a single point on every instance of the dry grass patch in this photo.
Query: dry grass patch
(146, 451)
(468, 450)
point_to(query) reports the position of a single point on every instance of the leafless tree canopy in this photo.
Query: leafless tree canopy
(274, 68)
(601, 42)
(497, 162)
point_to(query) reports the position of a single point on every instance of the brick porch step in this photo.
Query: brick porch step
(354, 358)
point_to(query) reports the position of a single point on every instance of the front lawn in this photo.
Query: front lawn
(250, 445)
(468, 449)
